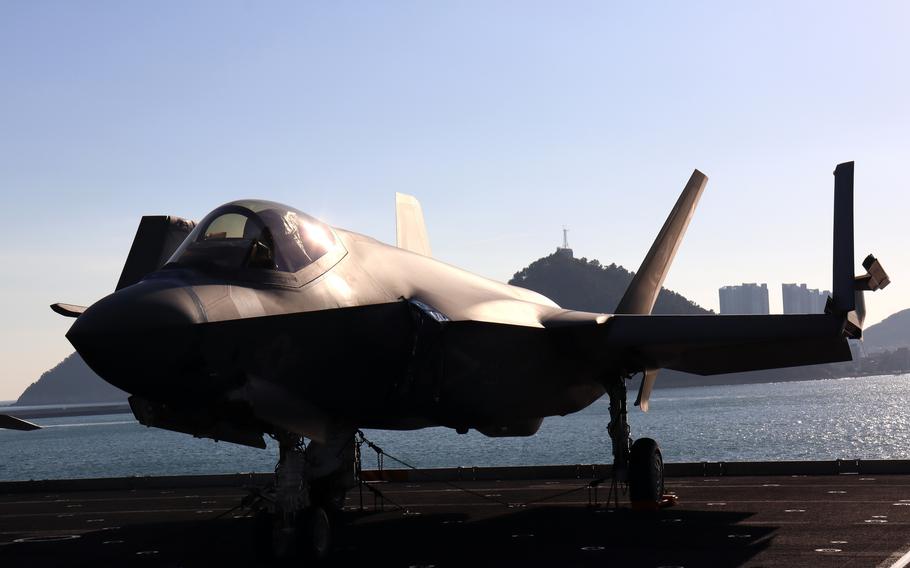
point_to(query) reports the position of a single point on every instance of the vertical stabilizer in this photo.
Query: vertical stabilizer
(642, 292)
(157, 237)
(645, 286)
(410, 229)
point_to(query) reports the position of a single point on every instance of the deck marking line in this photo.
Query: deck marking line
(901, 562)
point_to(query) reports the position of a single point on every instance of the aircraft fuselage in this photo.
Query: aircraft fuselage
(380, 337)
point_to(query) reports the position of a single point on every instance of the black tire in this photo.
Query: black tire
(274, 542)
(285, 542)
(315, 534)
(646, 472)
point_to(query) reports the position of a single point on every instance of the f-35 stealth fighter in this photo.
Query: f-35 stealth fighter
(262, 320)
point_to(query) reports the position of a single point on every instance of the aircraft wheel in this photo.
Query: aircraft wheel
(308, 539)
(315, 536)
(284, 541)
(274, 540)
(646, 473)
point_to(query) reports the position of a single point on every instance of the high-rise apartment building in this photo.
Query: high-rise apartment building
(748, 298)
(801, 300)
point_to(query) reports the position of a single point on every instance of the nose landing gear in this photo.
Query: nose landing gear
(289, 525)
(298, 513)
(638, 464)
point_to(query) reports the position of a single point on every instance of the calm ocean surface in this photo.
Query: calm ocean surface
(841, 418)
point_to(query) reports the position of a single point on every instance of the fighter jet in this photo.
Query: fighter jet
(262, 320)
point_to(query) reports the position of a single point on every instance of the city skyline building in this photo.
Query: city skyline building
(798, 299)
(746, 298)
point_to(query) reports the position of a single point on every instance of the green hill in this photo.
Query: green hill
(587, 285)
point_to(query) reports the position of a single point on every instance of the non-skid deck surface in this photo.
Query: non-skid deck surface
(845, 520)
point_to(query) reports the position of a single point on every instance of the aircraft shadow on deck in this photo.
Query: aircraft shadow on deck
(541, 536)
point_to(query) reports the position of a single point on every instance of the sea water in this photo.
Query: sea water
(867, 418)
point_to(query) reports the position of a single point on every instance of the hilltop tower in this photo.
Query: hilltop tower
(564, 250)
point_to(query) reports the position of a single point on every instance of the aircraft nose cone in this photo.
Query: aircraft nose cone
(138, 338)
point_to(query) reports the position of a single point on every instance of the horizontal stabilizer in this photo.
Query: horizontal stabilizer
(12, 423)
(411, 232)
(68, 310)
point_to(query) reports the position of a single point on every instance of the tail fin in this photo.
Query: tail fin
(645, 286)
(156, 240)
(410, 228)
(847, 290)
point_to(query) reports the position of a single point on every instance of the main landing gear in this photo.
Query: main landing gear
(297, 515)
(638, 464)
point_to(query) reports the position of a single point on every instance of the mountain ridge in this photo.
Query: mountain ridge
(893, 332)
(588, 285)
(70, 381)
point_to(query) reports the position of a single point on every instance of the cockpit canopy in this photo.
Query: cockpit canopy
(255, 234)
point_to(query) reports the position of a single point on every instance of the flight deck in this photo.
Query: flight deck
(793, 514)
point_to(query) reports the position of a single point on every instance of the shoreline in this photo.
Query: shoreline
(769, 468)
(669, 379)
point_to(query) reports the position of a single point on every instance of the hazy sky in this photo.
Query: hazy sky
(506, 119)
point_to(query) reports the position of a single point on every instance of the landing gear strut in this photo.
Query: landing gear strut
(296, 521)
(639, 464)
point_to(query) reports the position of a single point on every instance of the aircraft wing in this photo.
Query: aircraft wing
(710, 345)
